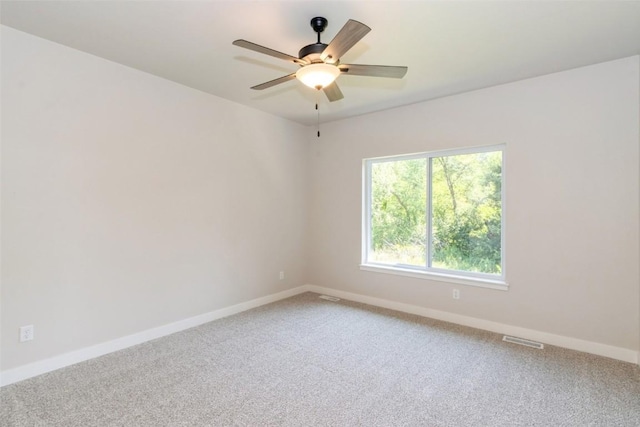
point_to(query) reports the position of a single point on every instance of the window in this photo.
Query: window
(437, 213)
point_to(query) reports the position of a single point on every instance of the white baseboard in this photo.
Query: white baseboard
(41, 367)
(30, 370)
(619, 353)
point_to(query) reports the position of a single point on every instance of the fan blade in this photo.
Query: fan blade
(348, 36)
(274, 82)
(333, 92)
(374, 70)
(261, 49)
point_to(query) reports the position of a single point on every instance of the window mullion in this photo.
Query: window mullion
(429, 215)
(368, 212)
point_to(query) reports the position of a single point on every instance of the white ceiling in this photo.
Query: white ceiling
(449, 46)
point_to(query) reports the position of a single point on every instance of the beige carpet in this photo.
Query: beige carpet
(305, 361)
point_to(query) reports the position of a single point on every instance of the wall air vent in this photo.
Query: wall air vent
(522, 341)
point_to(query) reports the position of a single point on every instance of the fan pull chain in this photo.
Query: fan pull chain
(318, 110)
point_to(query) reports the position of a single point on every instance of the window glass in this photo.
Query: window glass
(466, 212)
(398, 217)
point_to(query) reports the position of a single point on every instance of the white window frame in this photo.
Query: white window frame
(492, 281)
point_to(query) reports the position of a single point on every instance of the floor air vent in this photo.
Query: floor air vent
(522, 341)
(328, 298)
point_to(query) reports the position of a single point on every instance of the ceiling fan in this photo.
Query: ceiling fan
(320, 63)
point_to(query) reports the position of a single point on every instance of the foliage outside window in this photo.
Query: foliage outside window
(437, 212)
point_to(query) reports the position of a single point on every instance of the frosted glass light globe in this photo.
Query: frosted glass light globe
(318, 76)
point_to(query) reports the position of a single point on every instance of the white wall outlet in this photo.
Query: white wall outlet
(26, 333)
(282, 275)
(456, 294)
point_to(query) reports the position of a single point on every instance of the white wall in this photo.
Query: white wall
(129, 202)
(572, 207)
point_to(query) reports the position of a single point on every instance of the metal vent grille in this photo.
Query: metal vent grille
(522, 341)
(328, 298)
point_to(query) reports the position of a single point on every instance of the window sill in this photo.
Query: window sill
(440, 277)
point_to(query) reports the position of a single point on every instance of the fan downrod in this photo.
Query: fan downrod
(312, 52)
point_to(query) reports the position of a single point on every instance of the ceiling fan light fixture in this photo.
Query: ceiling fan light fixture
(318, 76)
(320, 63)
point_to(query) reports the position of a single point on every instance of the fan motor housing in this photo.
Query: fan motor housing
(314, 49)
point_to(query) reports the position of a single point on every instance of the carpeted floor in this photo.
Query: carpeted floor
(305, 361)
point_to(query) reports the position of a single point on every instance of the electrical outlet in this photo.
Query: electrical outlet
(26, 333)
(456, 294)
(282, 275)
